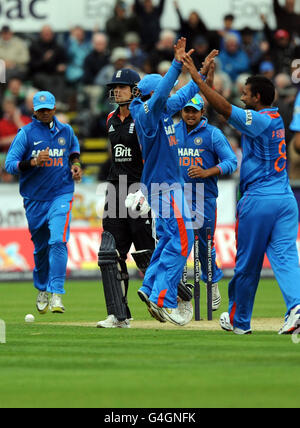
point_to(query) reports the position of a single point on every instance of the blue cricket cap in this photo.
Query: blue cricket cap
(197, 102)
(149, 83)
(42, 100)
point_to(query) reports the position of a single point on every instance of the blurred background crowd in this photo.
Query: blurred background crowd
(76, 66)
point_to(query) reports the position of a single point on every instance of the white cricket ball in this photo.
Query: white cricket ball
(29, 318)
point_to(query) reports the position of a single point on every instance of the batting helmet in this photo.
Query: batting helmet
(126, 76)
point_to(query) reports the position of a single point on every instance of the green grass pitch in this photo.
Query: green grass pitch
(64, 361)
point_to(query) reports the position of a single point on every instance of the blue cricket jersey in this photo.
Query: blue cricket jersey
(295, 125)
(156, 130)
(54, 178)
(207, 147)
(263, 169)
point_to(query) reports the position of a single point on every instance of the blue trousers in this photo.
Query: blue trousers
(169, 258)
(210, 214)
(49, 225)
(267, 224)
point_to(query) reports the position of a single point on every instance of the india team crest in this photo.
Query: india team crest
(61, 141)
(42, 98)
(198, 141)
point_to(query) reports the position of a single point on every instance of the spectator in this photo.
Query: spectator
(136, 56)
(238, 89)
(96, 60)
(118, 60)
(148, 17)
(281, 51)
(201, 46)
(11, 122)
(119, 24)
(252, 48)
(267, 69)
(27, 106)
(285, 98)
(286, 17)
(77, 50)
(16, 90)
(164, 50)
(14, 52)
(48, 64)
(228, 29)
(233, 59)
(192, 27)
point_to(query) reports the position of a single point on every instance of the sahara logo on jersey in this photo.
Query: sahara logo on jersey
(56, 157)
(190, 157)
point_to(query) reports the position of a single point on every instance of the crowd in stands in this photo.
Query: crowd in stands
(77, 65)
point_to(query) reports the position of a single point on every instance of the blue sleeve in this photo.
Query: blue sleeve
(181, 98)
(222, 148)
(295, 125)
(150, 115)
(249, 122)
(16, 153)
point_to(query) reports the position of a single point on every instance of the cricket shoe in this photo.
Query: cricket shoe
(225, 322)
(153, 312)
(42, 302)
(292, 322)
(113, 322)
(56, 305)
(169, 314)
(216, 297)
(227, 326)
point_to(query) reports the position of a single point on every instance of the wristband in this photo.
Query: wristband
(202, 77)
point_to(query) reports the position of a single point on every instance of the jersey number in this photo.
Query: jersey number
(282, 152)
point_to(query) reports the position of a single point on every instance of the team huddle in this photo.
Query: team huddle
(160, 158)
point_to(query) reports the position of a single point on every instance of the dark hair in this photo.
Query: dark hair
(229, 17)
(264, 87)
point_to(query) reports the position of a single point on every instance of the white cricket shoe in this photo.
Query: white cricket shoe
(56, 305)
(153, 312)
(216, 297)
(225, 322)
(226, 325)
(169, 314)
(113, 322)
(42, 302)
(292, 322)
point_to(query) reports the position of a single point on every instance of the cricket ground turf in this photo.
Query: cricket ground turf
(64, 361)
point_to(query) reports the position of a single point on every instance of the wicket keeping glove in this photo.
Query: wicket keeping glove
(138, 203)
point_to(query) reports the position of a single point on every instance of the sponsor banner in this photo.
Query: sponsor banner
(31, 15)
(16, 250)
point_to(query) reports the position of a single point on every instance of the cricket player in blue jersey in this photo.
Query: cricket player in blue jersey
(204, 154)
(295, 125)
(46, 156)
(153, 113)
(267, 214)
